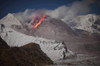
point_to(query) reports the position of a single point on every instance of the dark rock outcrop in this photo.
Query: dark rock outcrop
(3, 44)
(28, 55)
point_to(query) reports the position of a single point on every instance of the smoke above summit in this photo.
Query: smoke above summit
(63, 12)
(68, 12)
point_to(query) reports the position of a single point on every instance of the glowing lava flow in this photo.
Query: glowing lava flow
(39, 22)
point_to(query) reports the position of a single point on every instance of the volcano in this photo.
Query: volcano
(53, 29)
(55, 38)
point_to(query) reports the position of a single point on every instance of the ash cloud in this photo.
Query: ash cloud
(68, 12)
(63, 12)
(24, 16)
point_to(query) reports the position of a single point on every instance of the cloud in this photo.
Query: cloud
(68, 12)
(24, 16)
(63, 12)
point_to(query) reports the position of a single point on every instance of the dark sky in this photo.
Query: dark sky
(13, 6)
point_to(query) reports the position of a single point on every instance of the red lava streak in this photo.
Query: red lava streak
(35, 26)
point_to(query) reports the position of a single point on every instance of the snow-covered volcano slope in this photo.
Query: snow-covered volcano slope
(54, 49)
(90, 23)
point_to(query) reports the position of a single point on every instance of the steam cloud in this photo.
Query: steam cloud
(63, 12)
(68, 12)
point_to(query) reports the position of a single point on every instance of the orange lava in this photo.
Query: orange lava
(35, 26)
